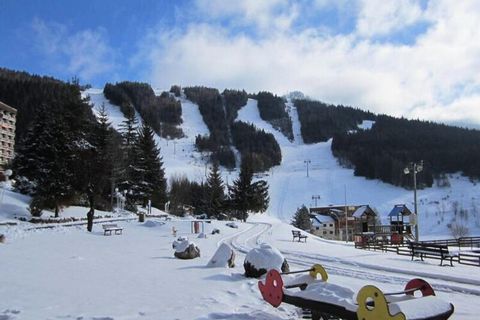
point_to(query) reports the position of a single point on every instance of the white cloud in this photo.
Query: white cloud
(437, 77)
(85, 54)
(381, 17)
(265, 15)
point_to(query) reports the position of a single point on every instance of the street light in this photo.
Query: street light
(415, 168)
(307, 162)
(315, 198)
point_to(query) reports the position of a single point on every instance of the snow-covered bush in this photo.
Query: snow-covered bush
(259, 260)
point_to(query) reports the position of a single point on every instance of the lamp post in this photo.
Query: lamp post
(307, 162)
(315, 198)
(415, 168)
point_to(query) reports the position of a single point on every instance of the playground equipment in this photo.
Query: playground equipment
(330, 301)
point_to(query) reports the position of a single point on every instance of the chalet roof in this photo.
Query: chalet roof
(400, 210)
(321, 219)
(363, 210)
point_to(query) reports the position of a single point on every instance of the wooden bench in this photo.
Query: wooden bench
(431, 250)
(108, 228)
(297, 234)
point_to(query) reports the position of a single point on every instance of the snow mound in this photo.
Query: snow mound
(153, 224)
(186, 250)
(223, 257)
(259, 260)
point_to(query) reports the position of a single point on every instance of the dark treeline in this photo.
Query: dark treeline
(211, 107)
(210, 104)
(28, 93)
(216, 200)
(234, 100)
(162, 113)
(385, 150)
(219, 112)
(273, 110)
(259, 146)
(320, 121)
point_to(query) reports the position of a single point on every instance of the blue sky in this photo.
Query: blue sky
(410, 58)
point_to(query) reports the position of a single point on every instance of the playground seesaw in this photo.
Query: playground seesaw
(309, 289)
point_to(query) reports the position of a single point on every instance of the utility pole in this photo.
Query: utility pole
(307, 162)
(315, 198)
(415, 168)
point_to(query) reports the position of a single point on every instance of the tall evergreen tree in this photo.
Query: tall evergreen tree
(47, 159)
(215, 192)
(128, 181)
(246, 196)
(94, 169)
(301, 219)
(150, 178)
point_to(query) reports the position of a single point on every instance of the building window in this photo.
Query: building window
(331, 224)
(324, 232)
(324, 225)
(331, 232)
(317, 228)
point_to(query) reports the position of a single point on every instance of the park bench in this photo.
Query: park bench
(297, 234)
(108, 228)
(431, 250)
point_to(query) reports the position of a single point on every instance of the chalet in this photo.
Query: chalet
(342, 224)
(323, 226)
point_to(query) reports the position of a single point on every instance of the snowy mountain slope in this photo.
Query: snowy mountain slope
(289, 185)
(179, 155)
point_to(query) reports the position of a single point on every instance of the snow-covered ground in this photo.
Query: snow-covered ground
(68, 273)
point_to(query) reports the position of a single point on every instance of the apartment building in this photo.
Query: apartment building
(8, 117)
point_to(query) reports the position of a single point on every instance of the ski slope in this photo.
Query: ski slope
(289, 185)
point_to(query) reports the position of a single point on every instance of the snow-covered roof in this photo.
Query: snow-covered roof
(362, 210)
(399, 209)
(321, 219)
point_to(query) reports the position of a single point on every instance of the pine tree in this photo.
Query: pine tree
(128, 181)
(247, 196)
(94, 169)
(46, 159)
(215, 192)
(150, 178)
(301, 219)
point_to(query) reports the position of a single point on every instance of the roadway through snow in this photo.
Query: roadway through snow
(256, 233)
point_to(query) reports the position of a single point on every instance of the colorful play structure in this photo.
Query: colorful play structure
(309, 289)
(398, 231)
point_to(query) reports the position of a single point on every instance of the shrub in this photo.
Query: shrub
(36, 207)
